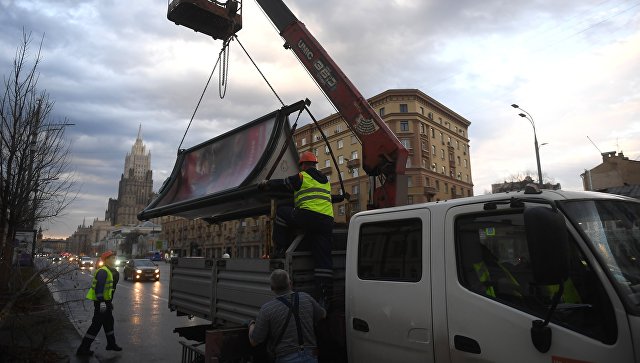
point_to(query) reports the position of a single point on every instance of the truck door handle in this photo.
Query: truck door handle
(361, 325)
(466, 344)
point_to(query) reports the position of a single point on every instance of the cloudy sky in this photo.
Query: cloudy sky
(111, 66)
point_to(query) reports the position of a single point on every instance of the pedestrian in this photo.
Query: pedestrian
(288, 341)
(313, 212)
(103, 286)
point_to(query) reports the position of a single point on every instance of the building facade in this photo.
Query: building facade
(438, 168)
(135, 189)
(616, 170)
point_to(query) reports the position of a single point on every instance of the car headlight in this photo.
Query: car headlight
(138, 271)
(157, 270)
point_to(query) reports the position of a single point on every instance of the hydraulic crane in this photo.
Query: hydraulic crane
(383, 156)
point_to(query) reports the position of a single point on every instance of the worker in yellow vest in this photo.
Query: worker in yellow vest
(101, 292)
(313, 212)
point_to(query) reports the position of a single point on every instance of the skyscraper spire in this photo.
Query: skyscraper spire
(139, 130)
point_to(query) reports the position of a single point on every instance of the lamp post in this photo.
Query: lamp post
(528, 116)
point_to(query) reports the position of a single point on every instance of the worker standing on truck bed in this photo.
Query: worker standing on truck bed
(312, 212)
(287, 323)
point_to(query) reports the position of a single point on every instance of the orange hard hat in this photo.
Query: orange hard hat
(106, 255)
(308, 157)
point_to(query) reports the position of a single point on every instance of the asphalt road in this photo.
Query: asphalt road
(143, 322)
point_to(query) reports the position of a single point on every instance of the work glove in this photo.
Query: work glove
(263, 185)
(109, 305)
(103, 306)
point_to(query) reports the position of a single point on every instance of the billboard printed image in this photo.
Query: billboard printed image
(224, 164)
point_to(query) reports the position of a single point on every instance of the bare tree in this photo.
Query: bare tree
(36, 180)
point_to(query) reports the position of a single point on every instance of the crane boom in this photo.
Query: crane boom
(382, 152)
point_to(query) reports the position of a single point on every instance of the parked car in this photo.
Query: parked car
(56, 260)
(141, 269)
(85, 262)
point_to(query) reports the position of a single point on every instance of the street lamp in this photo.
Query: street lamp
(528, 116)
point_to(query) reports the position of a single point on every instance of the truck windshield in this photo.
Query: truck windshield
(613, 229)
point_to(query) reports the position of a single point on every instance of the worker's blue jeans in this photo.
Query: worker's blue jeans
(317, 228)
(304, 356)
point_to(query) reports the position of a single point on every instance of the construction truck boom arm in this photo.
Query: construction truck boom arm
(382, 153)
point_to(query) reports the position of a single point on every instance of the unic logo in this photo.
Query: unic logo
(305, 49)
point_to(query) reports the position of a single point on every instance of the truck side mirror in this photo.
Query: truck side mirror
(548, 242)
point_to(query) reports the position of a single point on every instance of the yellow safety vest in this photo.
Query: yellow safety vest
(108, 286)
(314, 196)
(485, 277)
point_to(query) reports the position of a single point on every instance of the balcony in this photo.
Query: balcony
(430, 191)
(327, 170)
(353, 163)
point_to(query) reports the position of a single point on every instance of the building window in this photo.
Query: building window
(408, 165)
(422, 110)
(430, 115)
(404, 108)
(406, 143)
(340, 159)
(327, 163)
(409, 181)
(422, 131)
(341, 210)
(354, 139)
(433, 133)
(355, 172)
(438, 185)
(446, 188)
(457, 144)
(458, 160)
(381, 111)
(444, 170)
(442, 154)
(315, 151)
(442, 138)
(304, 141)
(326, 150)
(434, 167)
(354, 155)
(409, 199)
(338, 128)
(342, 175)
(424, 163)
(433, 150)
(465, 163)
(404, 126)
(317, 137)
(340, 144)
(427, 182)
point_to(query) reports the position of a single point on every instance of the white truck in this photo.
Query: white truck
(466, 280)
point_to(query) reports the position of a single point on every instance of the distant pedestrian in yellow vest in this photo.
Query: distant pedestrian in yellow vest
(103, 285)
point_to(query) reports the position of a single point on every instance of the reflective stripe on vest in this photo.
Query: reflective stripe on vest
(314, 196)
(108, 286)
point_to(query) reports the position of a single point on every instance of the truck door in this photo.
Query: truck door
(492, 299)
(388, 302)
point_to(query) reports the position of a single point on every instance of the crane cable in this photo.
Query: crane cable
(225, 45)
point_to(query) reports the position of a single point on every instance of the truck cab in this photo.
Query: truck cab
(463, 281)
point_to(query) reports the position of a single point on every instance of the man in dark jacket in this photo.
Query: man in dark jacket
(101, 292)
(312, 212)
